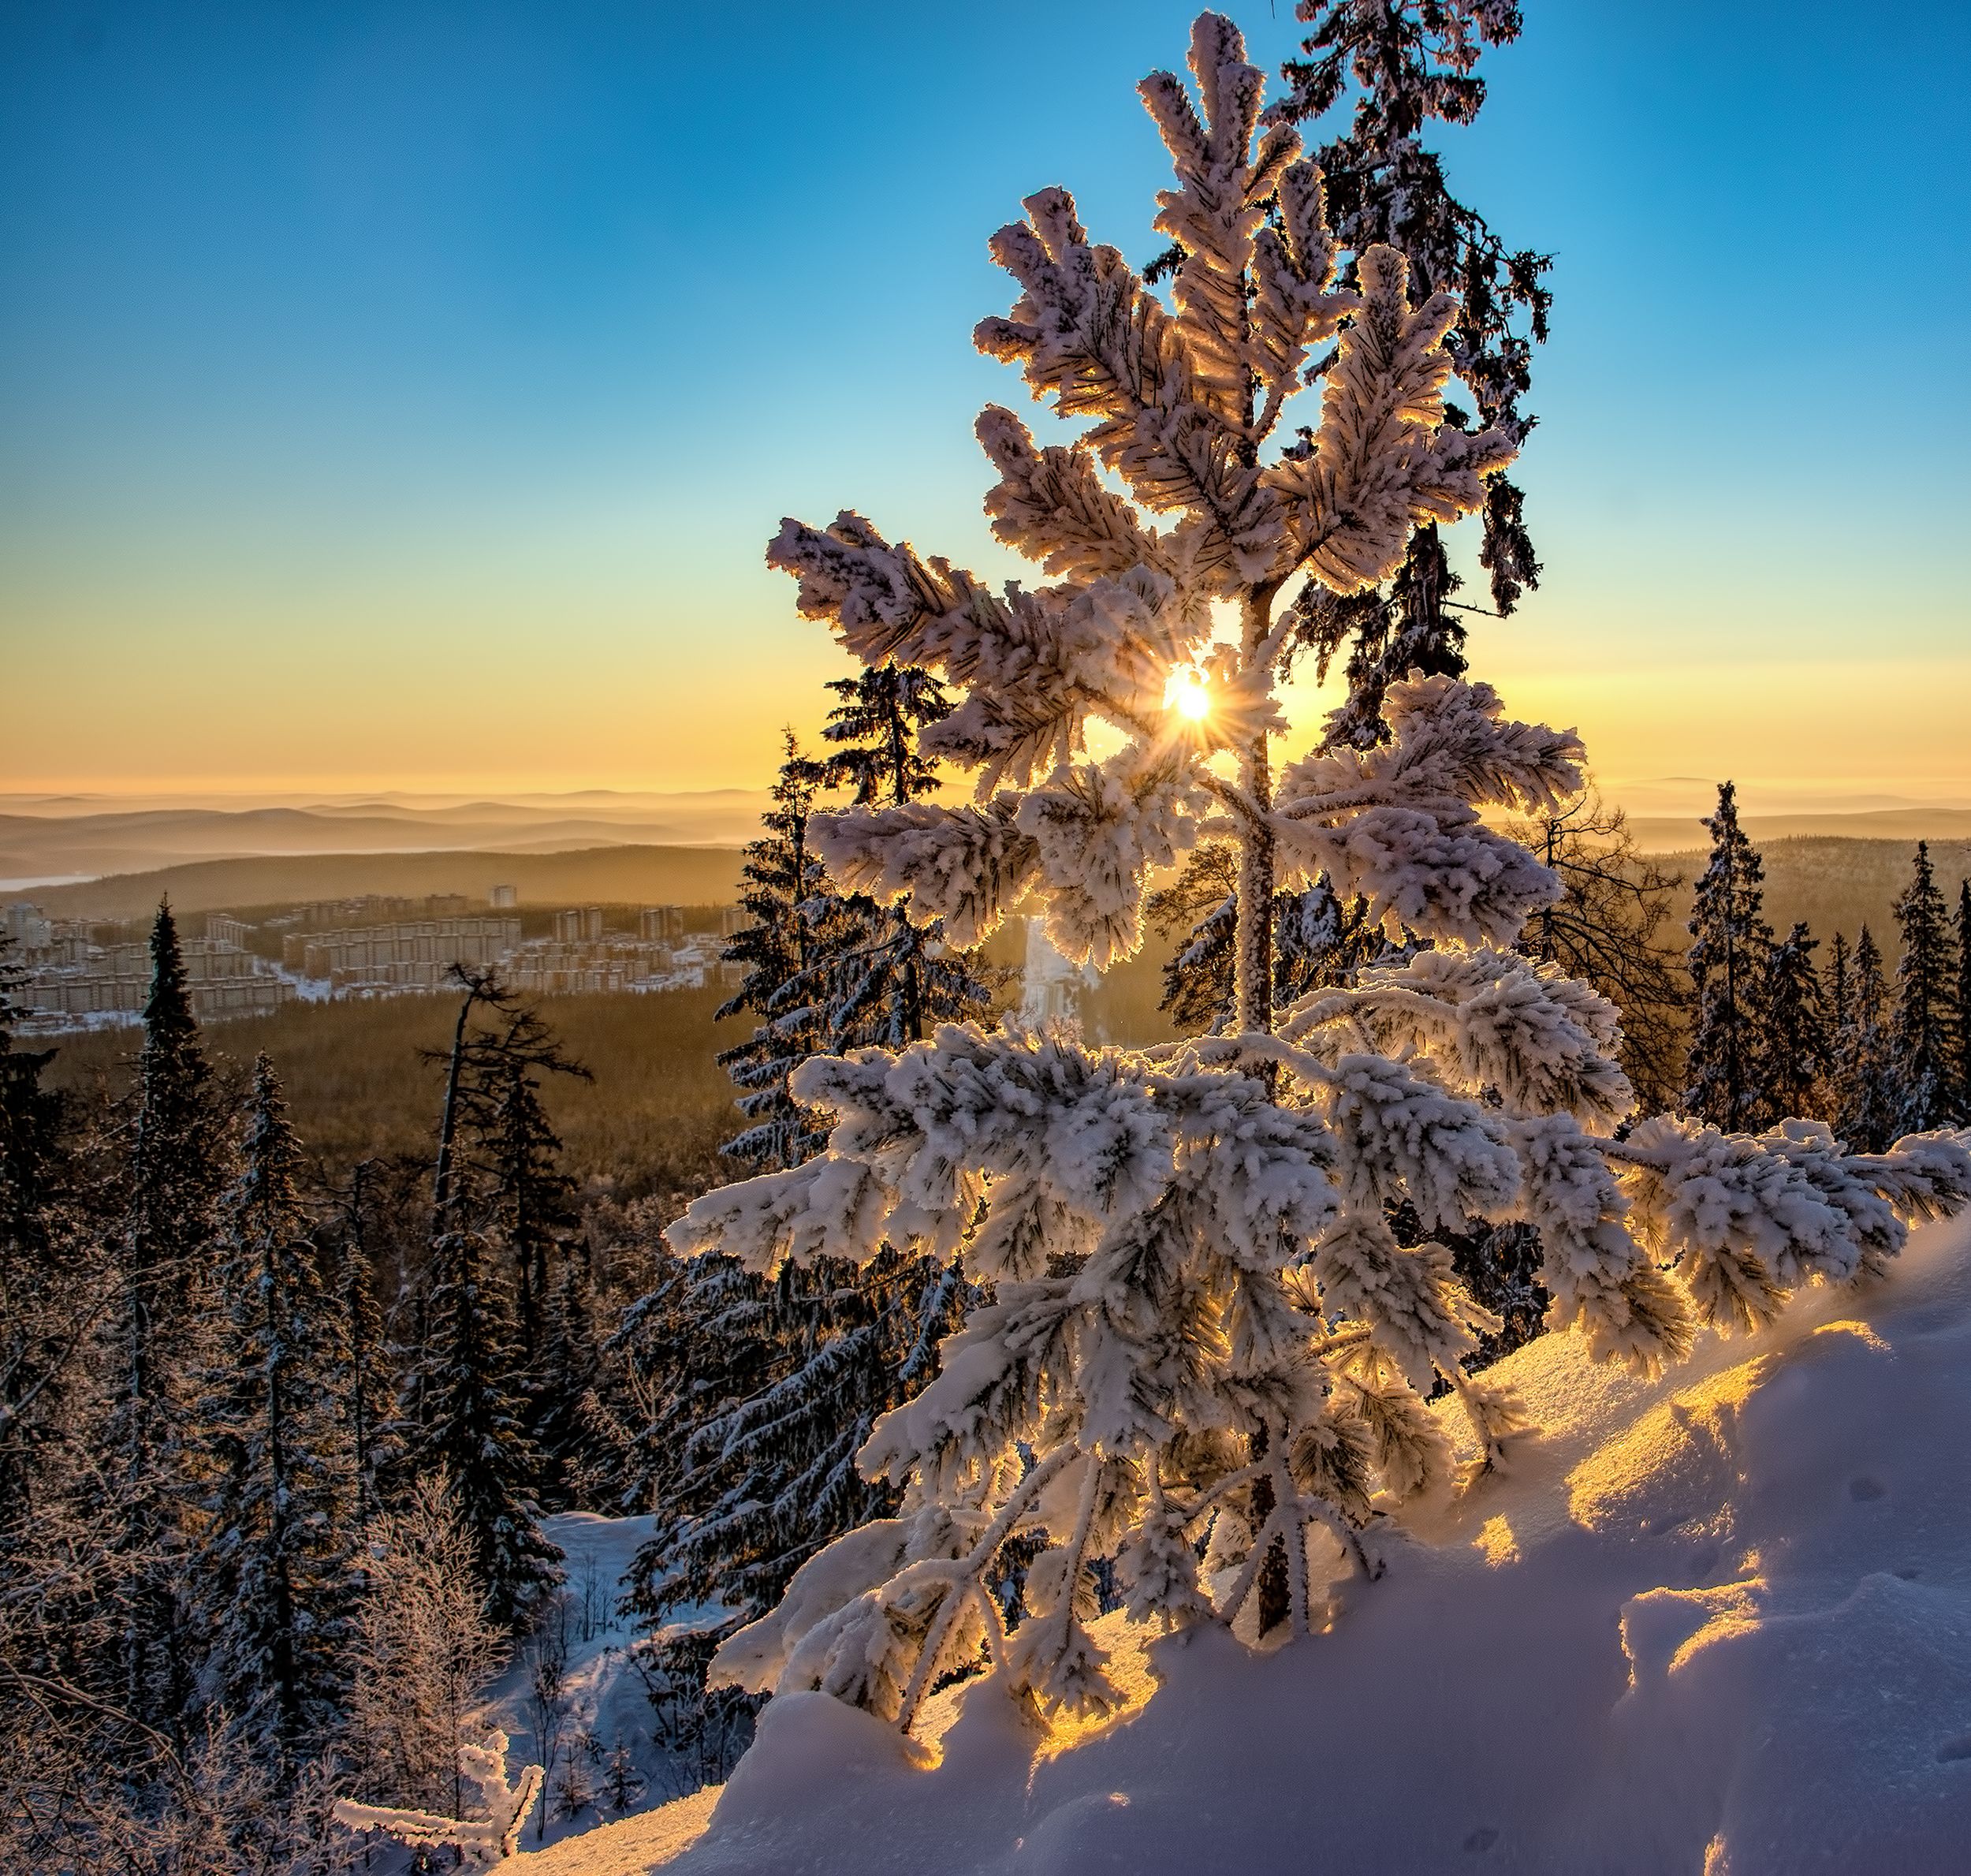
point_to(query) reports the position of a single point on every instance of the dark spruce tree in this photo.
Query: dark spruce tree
(1867, 1097)
(1924, 1038)
(1397, 67)
(463, 1409)
(887, 979)
(1796, 1066)
(1963, 1002)
(1317, 939)
(532, 1196)
(1729, 943)
(794, 921)
(51, 1280)
(507, 1178)
(789, 1376)
(275, 1559)
(177, 1164)
(1840, 986)
(363, 1383)
(570, 1432)
(470, 1423)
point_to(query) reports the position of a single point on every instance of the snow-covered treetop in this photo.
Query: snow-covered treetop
(1185, 407)
(1204, 1316)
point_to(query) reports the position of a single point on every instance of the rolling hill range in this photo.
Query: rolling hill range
(1666, 833)
(62, 839)
(646, 875)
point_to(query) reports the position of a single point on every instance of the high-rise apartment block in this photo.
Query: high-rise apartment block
(415, 955)
(660, 924)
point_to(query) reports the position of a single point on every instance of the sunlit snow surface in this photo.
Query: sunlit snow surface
(1719, 1624)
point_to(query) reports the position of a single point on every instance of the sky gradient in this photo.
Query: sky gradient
(401, 395)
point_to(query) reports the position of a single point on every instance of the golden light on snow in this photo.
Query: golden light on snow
(1188, 696)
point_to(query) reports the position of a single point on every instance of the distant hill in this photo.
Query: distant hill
(1836, 884)
(1663, 834)
(42, 844)
(613, 875)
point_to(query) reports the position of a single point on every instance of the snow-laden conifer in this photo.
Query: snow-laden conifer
(1796, 1067)
(158, 1332)
(1728, 962)
(1867, 1096)
(1200, 1319)
(886, 977)
(1925, 1031)
(793, 920)
(274, 1560)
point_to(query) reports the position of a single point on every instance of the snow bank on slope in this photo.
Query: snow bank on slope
(1722, 1623)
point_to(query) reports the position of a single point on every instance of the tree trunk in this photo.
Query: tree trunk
(1253, 954)
(448, 1122)
(1253, 989)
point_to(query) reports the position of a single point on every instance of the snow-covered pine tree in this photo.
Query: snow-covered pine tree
(532, 1196)
(794, 918)
(51, 1282)
(159, 1330)
(769, 1471)
(1405, 66)
(363, 1383)
(275, 1565)
(464, 1421)
(1867, 1097)
(1925, 1031)
(1318, 940)
(1963, 1000)
(1795, 1069)
(1729, 942)
(1200, 1318)
(889, 977)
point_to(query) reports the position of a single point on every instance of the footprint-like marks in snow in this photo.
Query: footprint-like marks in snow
(1865, 1490)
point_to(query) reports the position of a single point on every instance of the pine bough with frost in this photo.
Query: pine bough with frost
(1201, 1323)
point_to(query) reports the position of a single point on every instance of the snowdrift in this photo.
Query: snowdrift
(1720, 1623)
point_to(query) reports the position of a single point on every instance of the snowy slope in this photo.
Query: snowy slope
(603, 1694)
(1719, 1624)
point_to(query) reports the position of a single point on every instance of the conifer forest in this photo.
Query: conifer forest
(1478, 1372)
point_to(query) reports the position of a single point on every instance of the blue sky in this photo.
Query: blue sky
(399, 394)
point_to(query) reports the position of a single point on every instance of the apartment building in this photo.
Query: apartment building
(373, 954)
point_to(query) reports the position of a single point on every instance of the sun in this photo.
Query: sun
(1188, 696)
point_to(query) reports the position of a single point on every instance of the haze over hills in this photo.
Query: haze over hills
(67, 837)
(625, 874)
(1660, 833)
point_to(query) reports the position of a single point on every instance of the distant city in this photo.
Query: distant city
(84, 974)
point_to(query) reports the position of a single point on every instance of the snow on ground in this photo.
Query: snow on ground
(603, 1696)
(1719, 1623)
